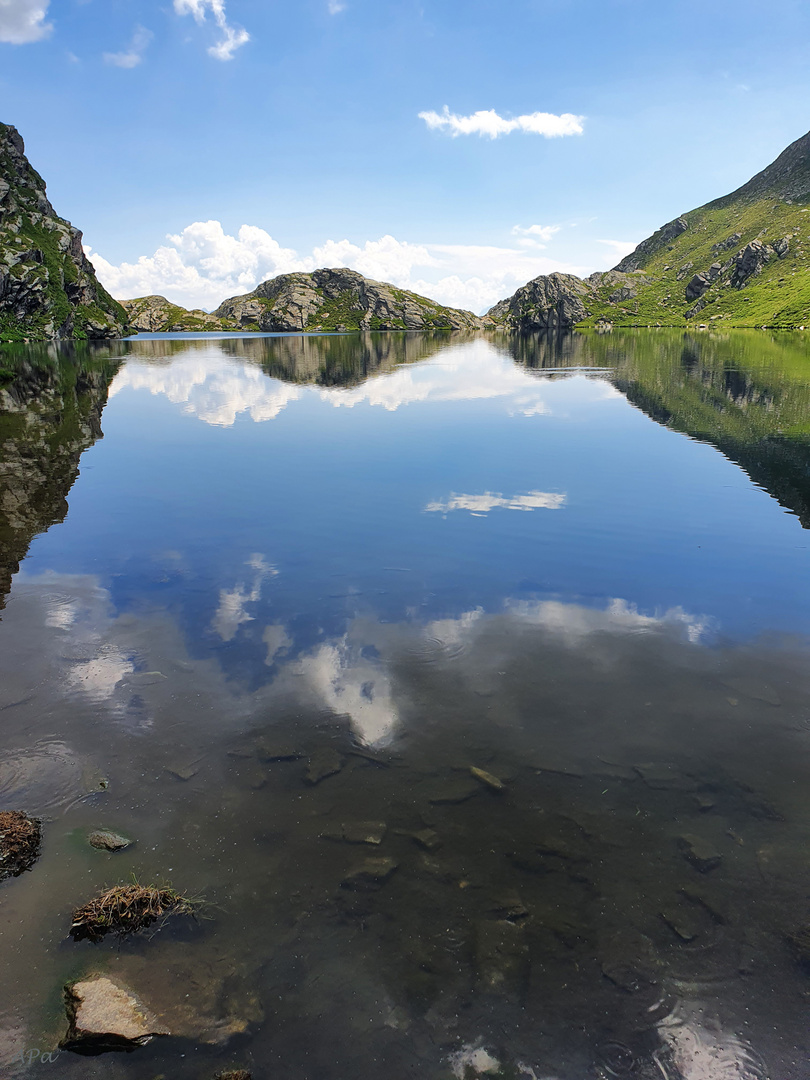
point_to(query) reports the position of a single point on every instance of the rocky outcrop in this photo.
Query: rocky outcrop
(750, 262)
(560, 301)
(48, 287)
(157, 315)
(660, 239)
(556, 302)
(338, 300)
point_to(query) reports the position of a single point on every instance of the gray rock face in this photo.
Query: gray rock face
(727, 244)
(664, 236)
(338, 299)
(48, 287)
(782, 247)
(556, 302)
(750, 262)
(697, 286)
(104, 1015)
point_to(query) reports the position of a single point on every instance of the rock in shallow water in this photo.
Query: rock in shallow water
(323, 763)
(370, 874)
(108, 841)
(104, 1015)
(700, 853)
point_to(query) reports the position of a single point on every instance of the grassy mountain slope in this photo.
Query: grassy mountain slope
(742, 260)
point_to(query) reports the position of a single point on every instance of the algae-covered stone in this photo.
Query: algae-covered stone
(108, 841)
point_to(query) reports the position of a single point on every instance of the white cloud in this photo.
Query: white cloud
(488, 122)
(233, 37)
(491, 500)
(134, 54)
(203, 265)
(619, 248)
(335, 7)
(23, 21)
(527, 236)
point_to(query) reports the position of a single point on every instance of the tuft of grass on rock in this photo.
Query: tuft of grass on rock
(126, 909)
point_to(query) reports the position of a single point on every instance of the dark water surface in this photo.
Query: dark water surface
(578, 564)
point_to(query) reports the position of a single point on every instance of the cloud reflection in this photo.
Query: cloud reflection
(490, 500)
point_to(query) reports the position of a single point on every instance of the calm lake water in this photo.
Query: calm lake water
(269, 622)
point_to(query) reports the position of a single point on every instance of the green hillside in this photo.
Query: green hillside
(766, 222)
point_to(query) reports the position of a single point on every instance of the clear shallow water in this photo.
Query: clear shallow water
(579, 564)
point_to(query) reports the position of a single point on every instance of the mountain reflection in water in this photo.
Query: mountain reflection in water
(471, 695)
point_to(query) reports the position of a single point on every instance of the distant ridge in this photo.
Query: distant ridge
(335, 300)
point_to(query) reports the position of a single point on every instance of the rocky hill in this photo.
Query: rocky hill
(156, 314)
(339, 300)
(742, 260)
(48, 287)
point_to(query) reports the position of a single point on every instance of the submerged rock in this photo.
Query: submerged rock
(182, 772)
(108, 841)
(699, 852)
(501, 959)
(487, 779)
(358, 832)
(453, 791)
(104, 1015)
(20, 839)
(234, 1074)
(370, 874)
(323, 763)
(273, 750)
(428, 839)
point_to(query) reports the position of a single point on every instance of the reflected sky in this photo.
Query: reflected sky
(266, 514)
(425, 557)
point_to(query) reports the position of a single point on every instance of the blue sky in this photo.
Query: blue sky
(265, 136)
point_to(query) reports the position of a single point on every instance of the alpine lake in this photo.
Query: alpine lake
(464, 680)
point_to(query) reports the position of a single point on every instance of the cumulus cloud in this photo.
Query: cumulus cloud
(132, 56)
(202, 265)
(492, 500)
(488, 122)
(233, 37)
(619, 248)
(23, 21)
(534, 235)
